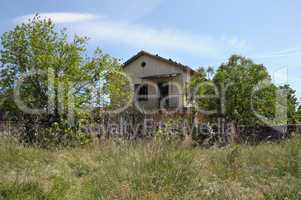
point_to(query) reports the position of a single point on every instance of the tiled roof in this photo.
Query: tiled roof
(170, 61)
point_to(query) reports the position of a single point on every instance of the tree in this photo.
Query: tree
(201, 88)
(298, 115)
(238, 79)
(292, 104)
(59, 80)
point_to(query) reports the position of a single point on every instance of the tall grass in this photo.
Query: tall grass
(151, 170)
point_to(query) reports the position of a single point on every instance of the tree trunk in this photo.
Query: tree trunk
(235, 133)
(237, 136)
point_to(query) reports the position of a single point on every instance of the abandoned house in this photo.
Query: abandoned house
(159, 82)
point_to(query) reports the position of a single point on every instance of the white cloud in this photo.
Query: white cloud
(60, 17)
(142, 36)
(288, 51)
(285, 53)
(101, 29)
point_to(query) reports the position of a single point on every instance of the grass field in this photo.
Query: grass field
(151, 170)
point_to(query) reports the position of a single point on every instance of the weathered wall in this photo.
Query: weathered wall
(156, 67)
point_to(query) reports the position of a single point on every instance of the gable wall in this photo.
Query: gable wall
(153, 67)
(157, 67)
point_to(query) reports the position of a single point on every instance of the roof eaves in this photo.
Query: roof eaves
(170, 61)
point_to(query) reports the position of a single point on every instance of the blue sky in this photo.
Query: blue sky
(193, 32)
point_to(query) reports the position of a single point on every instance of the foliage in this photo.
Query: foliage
(67, 88)
(203, 91)
(240, 78)
(241, 92)
(298, 115)
(118, 89)
(292, 104)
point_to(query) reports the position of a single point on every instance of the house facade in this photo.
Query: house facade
(159, 83)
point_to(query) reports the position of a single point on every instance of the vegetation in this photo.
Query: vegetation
(298, 115)
(240, 89)
(239, 77)
(151, 170)
(292, 105)
(63, 86)
(60, 84)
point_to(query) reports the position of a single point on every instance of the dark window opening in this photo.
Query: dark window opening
(142, 93)
(164, 92)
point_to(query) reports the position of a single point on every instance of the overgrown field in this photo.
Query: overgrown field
(151, 170)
